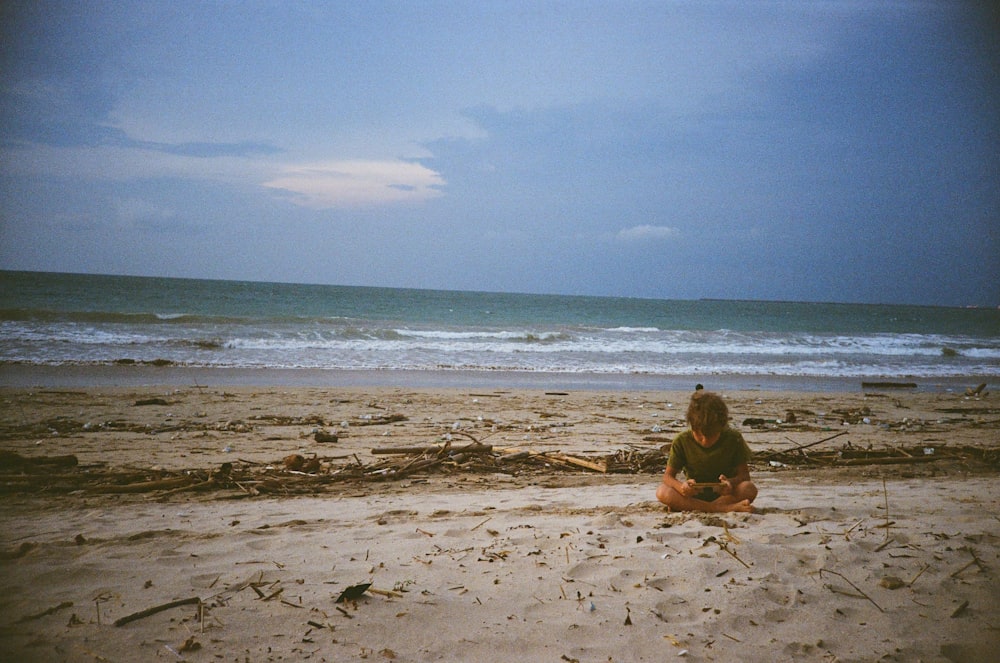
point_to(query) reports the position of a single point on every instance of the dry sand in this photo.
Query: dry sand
(863, 563)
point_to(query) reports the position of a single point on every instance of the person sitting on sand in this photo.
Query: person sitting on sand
(714, 459)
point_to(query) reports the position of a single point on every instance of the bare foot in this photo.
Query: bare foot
(731, 505)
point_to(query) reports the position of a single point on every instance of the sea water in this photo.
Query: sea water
(52, 319)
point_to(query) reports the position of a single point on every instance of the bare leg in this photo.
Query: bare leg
(743, 494)
(745, 490)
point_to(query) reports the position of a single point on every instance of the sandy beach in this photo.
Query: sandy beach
(243, 513)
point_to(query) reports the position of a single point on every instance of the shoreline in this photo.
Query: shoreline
(78, 376)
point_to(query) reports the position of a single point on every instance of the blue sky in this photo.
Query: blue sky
(824, 151)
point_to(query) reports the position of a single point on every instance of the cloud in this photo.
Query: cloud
(358, 183)
(211, 150)
(644, 232)
(134, 209)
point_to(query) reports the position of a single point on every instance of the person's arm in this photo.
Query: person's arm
(685, 488)
(740, 474)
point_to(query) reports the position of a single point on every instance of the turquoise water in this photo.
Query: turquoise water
(59, 319)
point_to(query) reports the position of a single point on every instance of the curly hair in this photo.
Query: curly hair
(707, 413)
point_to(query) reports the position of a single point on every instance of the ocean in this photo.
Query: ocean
(49, 319)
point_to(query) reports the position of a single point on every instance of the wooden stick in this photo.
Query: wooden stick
(885, 492)
(735, 556)
(481, 524)
(893, 460)
(469, 448)
(46, 613)
(856, 588)
(803, 446)
(572, 460)
(910, 584)
(957, 573)
(145, 486)
(11, 459)
(385, 592)
(155, 609)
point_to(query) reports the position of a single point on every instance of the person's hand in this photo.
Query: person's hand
(727, 486)
(687, 488)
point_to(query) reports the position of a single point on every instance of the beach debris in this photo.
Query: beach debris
(891, 582)
(860, 593)
(304, 474)
(977, 391)
(294, 462)
(150, 401)
(145, 486)
(18, 552)
(12, 460)
(975, 561)
(433, 449)
(378, 419)
(353, 593)
(194, 600)
(298, 474)
(323, 437)
(46, 613)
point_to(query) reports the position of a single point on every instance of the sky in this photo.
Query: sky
(844, 151)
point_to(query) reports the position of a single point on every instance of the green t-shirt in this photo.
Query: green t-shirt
(705, 465)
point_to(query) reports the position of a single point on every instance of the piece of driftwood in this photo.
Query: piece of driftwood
(46, 613)
(10, 459)
(150, 401)
(469, 448)
(802, 446)
(514, 454)
(579, 462)
(243, 478)
(890, 460)
(155, 609)
(379, 420)
(145, 486)
(856, 588)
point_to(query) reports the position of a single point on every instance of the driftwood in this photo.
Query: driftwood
(888, 460)
(155, 609)
(579, 462)
(46, 613)
(9, 459)
(851, 456)
(301, 475)
(151, 401)
(803, 446)
(469, 448)
(145, 486)
(379, 420)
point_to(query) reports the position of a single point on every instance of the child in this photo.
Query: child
(709, 453)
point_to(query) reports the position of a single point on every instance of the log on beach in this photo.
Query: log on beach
(11, 460)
